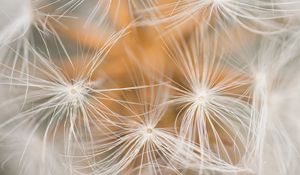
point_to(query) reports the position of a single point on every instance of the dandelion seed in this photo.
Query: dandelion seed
(256, 16)
(73, 104)
(213, 103)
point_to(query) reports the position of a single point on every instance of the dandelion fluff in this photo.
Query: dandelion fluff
(22, 152)
(263, 17)
(212, 101)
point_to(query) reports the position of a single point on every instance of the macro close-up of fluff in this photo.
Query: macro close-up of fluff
(149, 87)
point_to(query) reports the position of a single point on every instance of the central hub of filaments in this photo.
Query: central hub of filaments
(147, 132)
(201, 97)
(75, 93)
